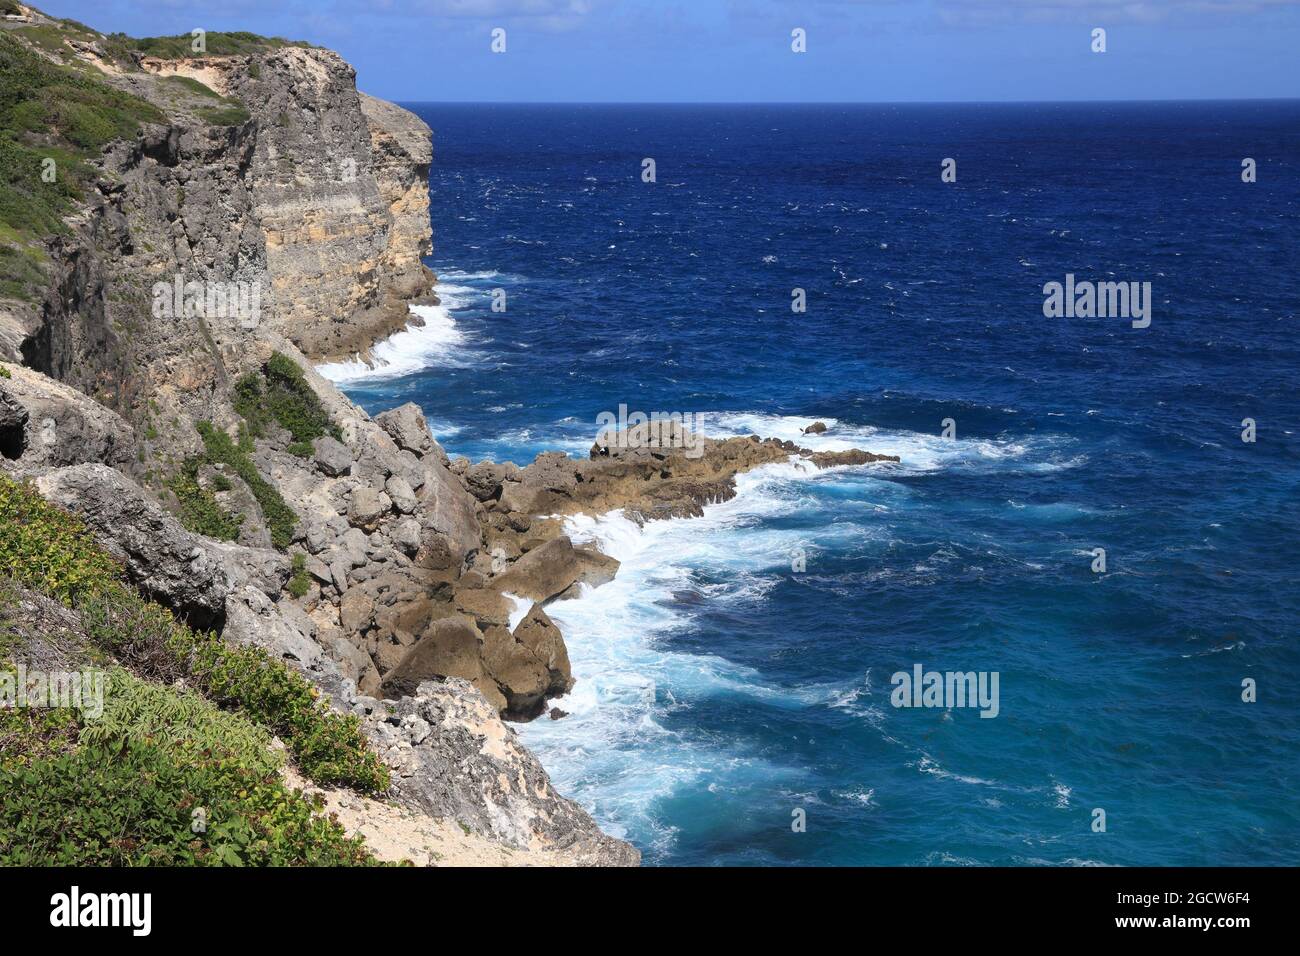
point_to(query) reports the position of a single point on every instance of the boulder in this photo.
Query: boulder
(401, 494)
(367, 507)
(851, 456)
(191, 574)
(407, 427)
(485, 479)
(450, 647)
(520, 676)
(450, 510)
(253, 620)
(332, 456)
(529, 665)
(486, 606)
(356, 610)
(816, 428)
(552, 568)
(406, 536)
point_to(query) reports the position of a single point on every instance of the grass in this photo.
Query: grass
(48, 550)
(192, 85)
(48, 112)
(232, 114)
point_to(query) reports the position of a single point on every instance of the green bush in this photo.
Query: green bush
(200, 511)
(282, 394)
(300, 582)
(237, 43)
(280, 518)
(46, 549)
(163, 778)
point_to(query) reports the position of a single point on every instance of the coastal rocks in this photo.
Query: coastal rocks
(367, 507)
(552, 568)
(472, 768)
(447, 508)
(406, 535)
(252, 619)
(485, 479)
(816, 428)
(407, 426)
(332, 456)
(852, 456)
(450, 647)
(188, 573)
(401, 495)
(46, 424)
(539, 637)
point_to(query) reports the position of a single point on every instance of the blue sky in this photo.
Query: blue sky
(739, 50)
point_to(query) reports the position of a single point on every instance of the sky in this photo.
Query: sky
(740, 50)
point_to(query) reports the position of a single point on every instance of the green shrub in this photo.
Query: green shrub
(218, 43)
(300, 582)
(281, 393)
(163, 778)
(46, 549)
(200, 511)
(280, 518)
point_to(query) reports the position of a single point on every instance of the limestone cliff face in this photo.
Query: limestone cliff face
(339, 191)
(277, 176)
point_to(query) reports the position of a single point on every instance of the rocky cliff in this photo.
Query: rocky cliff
(248, 211)
(232, 485)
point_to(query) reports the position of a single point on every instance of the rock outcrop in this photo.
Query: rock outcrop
(314, 197)
(360, 554)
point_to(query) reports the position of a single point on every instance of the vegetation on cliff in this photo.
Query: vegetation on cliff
(53, 121)
(161, 778)
(121, 788)
(216, 43)
(282, 395)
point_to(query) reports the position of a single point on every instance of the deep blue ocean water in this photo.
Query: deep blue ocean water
(720, 690)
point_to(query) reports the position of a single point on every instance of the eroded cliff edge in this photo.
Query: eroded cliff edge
(242, 491)
(234, 486)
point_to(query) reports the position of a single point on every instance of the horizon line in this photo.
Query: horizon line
(1075, 102)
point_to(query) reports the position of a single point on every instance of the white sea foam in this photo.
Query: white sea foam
(431, 340)
(436, 342)
(613, 752)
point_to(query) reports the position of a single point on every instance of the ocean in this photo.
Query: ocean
(733, 703)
